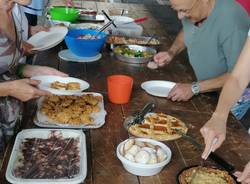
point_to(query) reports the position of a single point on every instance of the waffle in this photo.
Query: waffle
(205, 175)
(158, 126)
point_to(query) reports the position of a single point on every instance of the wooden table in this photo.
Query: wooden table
(103, 165)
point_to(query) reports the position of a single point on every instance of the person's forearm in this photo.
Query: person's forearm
(4, 89)
(236, 83)
(178, 44)
(229, 96)
(213, 84)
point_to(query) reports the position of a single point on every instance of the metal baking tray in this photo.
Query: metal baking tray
(136, 60)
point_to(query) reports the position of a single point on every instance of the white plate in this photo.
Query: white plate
(44, 133)
(158, 88)
(46, 40)
(46, 81)
(42, 120)
(67, 55)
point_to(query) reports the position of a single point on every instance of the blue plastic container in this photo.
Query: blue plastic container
(82, 47)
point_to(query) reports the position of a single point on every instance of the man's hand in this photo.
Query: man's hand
(214, 133)
(163, 58)
(31, 71)
(244, 176)
(180, 92)
(38, 28)
(25, 89)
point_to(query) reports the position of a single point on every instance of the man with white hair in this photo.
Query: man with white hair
(214, 32)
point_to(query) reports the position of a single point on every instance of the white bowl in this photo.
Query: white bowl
(144, 169)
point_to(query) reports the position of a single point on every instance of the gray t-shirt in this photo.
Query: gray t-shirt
(214, 47)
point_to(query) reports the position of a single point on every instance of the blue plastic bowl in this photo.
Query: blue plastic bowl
(84, 48)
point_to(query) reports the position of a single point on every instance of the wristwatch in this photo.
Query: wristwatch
(195, 88)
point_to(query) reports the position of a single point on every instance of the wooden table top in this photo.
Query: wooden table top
(103, 165)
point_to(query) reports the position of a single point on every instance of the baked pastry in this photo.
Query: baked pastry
(205, 175)
(159, 126)
(73, 86)
(58, 85)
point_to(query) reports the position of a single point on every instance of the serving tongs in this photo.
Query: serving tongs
(102, 29)
(106, 15)
(138, 117)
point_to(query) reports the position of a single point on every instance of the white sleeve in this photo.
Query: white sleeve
(249, 33)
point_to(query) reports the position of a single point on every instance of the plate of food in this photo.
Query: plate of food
(46, 40)
(61, 85)
(201, 175)
(48, 156)
(134, 54)
(159, 88)
(85, 110)
(121, 40)
(158, 126)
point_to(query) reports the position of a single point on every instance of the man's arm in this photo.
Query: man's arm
(183, 91)
(178, 44)
(214, 83)
(165, 57)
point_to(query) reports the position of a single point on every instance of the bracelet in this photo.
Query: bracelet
(20, 69)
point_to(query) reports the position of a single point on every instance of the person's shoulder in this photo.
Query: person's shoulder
(232, 12)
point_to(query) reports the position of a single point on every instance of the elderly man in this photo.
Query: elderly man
(214, 32)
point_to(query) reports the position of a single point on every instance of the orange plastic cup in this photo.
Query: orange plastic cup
(119, 88)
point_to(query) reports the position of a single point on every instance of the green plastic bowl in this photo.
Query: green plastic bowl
(64, 14)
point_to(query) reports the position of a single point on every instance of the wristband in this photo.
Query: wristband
(20, 69)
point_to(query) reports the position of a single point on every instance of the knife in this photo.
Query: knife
(213, 156)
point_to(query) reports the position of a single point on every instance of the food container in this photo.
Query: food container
(135, 60)
(144, 169)
(64, 14)
(85, 26)
(125, 27)
(85, 47)
(87, 14)
(42, 120)
(44, 134)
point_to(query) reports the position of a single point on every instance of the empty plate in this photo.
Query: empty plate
(45, 40)
(47, 80)
(158, 88)
(67, 55)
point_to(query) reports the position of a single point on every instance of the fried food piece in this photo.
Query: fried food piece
(58, 85)
(74, 110)
(73, 86)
